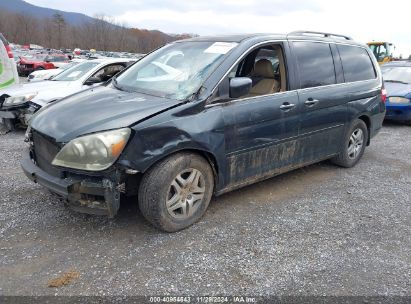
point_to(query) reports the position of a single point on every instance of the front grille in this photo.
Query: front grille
(45, 149)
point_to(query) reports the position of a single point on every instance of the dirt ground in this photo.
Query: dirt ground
(320, 230)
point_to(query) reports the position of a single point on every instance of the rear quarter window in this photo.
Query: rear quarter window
(315, 64)
(356, 62)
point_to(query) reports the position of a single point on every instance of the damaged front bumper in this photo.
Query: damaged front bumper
(19, 114)
(8, 114)
(86, 194)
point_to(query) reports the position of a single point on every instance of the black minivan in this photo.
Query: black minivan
(204, 116)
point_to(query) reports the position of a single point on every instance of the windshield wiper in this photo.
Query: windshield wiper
(396, 81)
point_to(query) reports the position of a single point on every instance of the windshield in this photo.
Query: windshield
(76, 72)
(175, 71)
(397, 74)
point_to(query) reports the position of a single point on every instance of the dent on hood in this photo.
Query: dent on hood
(95, 110)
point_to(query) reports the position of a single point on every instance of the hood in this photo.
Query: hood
(398, 89)
(47, 90)
(97, 109)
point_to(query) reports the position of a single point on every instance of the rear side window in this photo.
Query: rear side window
(357, 64)
(315, 64)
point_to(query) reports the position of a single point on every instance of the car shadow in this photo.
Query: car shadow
(274, 190)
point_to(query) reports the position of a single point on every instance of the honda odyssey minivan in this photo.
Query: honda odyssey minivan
(204, 116)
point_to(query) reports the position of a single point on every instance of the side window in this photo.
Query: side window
(268, 54)
(315, 64)
(265, 67)
(357, 64)
(108, 71)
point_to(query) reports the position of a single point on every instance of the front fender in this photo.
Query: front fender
(169, 133)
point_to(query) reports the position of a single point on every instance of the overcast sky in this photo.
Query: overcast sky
(364, 20)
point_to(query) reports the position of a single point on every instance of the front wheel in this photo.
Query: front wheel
(176, 192)
(354, 145)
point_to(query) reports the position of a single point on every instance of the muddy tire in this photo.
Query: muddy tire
(355, 141)
(175, 193)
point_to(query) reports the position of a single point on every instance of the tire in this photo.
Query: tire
(354, 146)
(166, 197)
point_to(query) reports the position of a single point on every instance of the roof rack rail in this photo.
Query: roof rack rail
(326, 35)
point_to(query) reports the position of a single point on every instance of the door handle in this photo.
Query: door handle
(287, 106)
(310, 102)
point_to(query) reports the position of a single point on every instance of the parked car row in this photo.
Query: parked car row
(37, 62)
(20, 102)
(29, 59)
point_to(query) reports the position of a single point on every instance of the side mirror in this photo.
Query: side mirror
(92, 80)
(240, 86)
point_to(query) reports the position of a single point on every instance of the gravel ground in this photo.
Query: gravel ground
(320, 230)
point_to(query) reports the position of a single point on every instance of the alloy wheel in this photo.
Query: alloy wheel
(355, 143)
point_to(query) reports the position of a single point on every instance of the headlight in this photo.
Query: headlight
(93, 152)
(396, 99)
(17, 100)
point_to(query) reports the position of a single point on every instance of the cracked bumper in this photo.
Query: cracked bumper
(93, 195)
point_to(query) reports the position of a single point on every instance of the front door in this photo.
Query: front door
(261, 135)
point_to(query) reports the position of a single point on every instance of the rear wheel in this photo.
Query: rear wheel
(354, 145)
(176, 192)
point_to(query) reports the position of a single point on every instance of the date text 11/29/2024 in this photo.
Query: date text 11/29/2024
(202, 299)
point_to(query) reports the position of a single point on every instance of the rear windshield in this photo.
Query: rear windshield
(397, 74)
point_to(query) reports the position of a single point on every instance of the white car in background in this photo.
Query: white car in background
(20, 102)
(41, 75)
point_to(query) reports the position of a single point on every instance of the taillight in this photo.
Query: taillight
(9, 52)
(384, 95)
